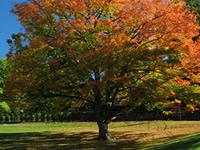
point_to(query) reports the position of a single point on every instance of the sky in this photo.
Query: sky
(8, 24)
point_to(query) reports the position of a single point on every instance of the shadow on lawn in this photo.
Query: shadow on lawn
(85, 141)
(50, 141)
(188, 143)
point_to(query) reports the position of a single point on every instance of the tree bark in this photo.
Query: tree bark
(103, 130)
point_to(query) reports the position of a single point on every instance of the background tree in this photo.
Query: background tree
(108, 55)
(3, 75)
(194, 5)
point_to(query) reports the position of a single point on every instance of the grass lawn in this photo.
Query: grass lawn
(148, 135)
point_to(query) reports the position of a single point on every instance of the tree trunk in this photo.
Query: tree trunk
(103, 130)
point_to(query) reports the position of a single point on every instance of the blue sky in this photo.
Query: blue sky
(8, 25)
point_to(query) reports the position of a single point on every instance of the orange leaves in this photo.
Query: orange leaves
(181, 82)
(79, 21)
(121, 23)
(61, 6)
(28, 12)
(172, 93)
(86, 26)
(191, 108)
(117, 78)
(191, 63)
(79, 24)
(38, 43)
(106, 22)
(78, 5)
(148, 18)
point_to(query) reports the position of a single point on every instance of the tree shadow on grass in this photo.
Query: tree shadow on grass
(86, 141)
(187, 143)
(57, 141)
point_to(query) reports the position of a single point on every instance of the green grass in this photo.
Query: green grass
(148, 135)
(185, 143)
(41, 127)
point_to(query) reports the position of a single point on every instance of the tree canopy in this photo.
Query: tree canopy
(109, 55)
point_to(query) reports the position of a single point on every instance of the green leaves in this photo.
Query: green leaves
(5, 107)
(3, 74)
(1, 91)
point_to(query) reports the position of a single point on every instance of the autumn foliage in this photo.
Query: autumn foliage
(102, 53)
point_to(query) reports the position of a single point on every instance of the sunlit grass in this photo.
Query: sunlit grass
(81, 135)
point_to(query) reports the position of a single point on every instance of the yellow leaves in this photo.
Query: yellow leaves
(119, 39)
(48, 3)
(196, 78)
(123, 37)
(172, 93)
(191, 108)
(113, 41)
(177, 102)
(168, 112)
(61, 72)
